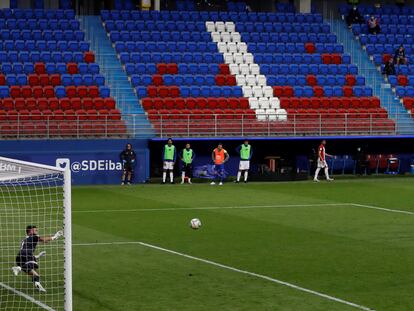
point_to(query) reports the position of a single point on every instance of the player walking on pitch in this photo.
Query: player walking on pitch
(169, 156)
(187, 156)
(322, 162)
(26, 261)
(219, 156)
(246, 152)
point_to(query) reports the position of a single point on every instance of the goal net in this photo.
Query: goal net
(34, 195)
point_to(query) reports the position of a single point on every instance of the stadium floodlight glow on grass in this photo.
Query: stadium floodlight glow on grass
(37, 195)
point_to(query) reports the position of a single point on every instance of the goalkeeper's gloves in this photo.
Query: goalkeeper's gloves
(41, 254)
(57, 235)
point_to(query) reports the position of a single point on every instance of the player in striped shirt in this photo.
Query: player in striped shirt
(322, 162)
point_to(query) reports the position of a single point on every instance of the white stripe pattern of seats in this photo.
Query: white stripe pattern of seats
(246, 71)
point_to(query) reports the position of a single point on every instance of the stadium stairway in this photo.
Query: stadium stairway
(374, 79)
(117, 78)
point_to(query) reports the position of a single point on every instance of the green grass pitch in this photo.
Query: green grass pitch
(314, 236)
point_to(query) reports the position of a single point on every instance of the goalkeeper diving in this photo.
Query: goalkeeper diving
(26, 260)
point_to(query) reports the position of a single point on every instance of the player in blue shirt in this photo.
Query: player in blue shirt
(26, 260)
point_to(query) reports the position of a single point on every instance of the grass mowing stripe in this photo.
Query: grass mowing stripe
(31, 299)
(260, 276)
(207, 208)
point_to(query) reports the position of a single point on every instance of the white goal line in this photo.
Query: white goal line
(213, 263)
(242, 207)
(31, 299)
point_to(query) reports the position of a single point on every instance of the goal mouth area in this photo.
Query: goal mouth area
(39, 195)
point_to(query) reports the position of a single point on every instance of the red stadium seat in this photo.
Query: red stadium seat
(55, 79)
(31, 103)
(201, 103)
(49, 91)
(174, 91)
(71, 91)
(191, 103)
(402, 80)
(33, 79)
(80, 91)
(89, 57)
(220, 80)
(15, 91)
(350, 80)
(53, 104)
(37, 91)
(72, 68)
(348, 91)
(87, 103)
(76, 103)
(40, 68)
(98, 103)
(19, 103)
(162, 68)
(179, 103)
(27, 91)
(172, 69)
(93, 91)
(65, 103)
(224, 69)
(109, 103)
(310, 47)
(147, 103)
(157, 79)
(44, 79)
(2, 79)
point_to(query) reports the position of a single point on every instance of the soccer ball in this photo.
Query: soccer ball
(195, 223)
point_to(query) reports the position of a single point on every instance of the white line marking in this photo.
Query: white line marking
(382, 209)
(207, 208)
(213, 263)
(31, 299)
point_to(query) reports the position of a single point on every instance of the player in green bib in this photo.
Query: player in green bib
(245, 150)
(187, 156)
(169, 156)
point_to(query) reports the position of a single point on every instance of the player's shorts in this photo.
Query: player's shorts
(244, 165)
(188, 169)
(128, 167)
(322, 164)
(219, 167)
(168, 165)
(27, 263)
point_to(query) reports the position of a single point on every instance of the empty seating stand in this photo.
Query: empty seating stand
(50, 85)
(283, 72)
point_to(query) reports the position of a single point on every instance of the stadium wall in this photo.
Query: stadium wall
(91, 161)
(295, 151)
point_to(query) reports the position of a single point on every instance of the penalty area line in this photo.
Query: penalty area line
(256, 275)
(31, 299)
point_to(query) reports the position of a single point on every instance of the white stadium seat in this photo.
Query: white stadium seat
(230, 27)
(254, 69)
(268, 91)
(244, 69)
(232, 47)
(247, 91)
(242, 47)
(248, 58)
(238, 58)
(274, 102)
(228, 58)
(210, 26)
(235, 36)
(261, 80)
(241, 80)
(261, 114)
(257, 91)
(225, 36)
(281, 114)
(234, 69)
(215, 36)
(264, 103)
(251, 80)
(220, 27)
(222, 47)
(253, 103)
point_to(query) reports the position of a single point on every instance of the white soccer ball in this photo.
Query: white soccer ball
(195, 223)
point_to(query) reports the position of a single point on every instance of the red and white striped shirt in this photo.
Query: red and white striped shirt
(322, 152)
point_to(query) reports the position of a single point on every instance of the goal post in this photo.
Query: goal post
(37, 195)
